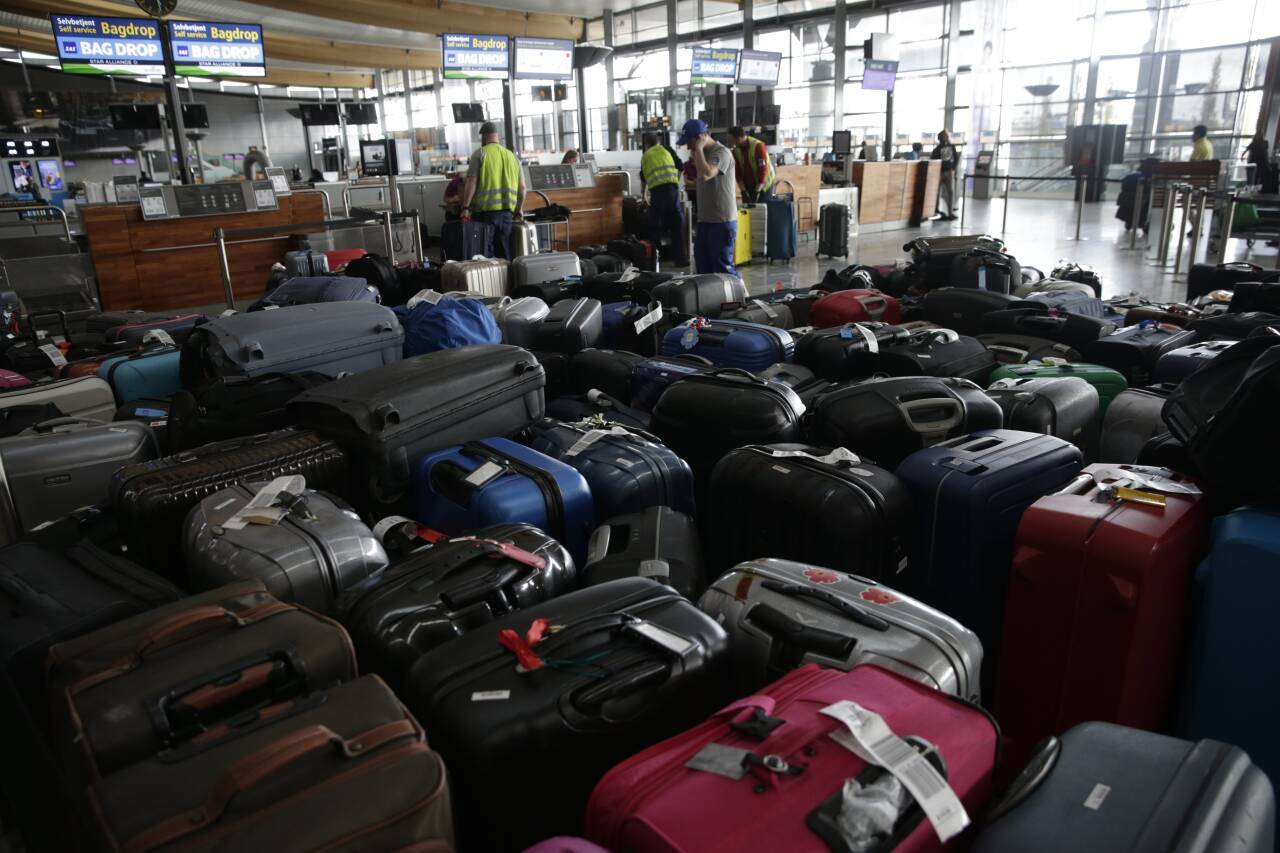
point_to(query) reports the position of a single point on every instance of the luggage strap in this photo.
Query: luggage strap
(552, 499)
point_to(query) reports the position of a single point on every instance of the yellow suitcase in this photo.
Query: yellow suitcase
(742, 245)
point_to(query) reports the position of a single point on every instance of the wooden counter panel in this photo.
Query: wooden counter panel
(894, 191)
(597, 216)
(928, 178)
(807, 181)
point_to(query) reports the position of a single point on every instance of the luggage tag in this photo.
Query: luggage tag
(261, 509)
(869, 737)
(486, 472)
(1150, 480)
(629, 274)
(838, 456)
(54, 354)
(428, 295)
(661, 637)
(158, 336)
(649, 319)
(592, 437)
(689, 339)
(768, 312)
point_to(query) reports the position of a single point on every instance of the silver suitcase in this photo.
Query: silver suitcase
(62, 465)
(490, 276)
(759, 229)
(1132, 419)
(87, 397)
(551, 266)
(781, 615)
(524, 239)
(517, 318)
(315, 552)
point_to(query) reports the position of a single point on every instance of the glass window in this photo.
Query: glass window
(919, 22)
(718, 13)
(1200, 24)
(1119, 77)
(651, 23)
(1125, 32)
(1204, 71)
(595, 30)
(687, 16)
(1215, 110)
(920, 56)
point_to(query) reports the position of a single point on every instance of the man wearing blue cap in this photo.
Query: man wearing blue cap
(717, 208)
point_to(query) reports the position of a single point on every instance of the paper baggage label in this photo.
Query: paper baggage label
(259, 509)
(591, 438)
(629, 274)
(1147, 477)
(721, 760)
(648, 319)
(873, 343)
(380, 529)
(490, 695)
(55, 355)
(158, 336)
(483, 474)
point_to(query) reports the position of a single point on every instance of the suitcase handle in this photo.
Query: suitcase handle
(808, 637)
(1026, 783)
(1019, 355)
(873, 304)
(648, 674)
(62, 320)
(53, 423)
(912, 409)
(845, 608)
(178, 627)
(1081, 484)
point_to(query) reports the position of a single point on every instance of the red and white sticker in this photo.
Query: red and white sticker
(876, 595)
(821, 576)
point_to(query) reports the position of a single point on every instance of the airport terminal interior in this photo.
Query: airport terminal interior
(649, 427)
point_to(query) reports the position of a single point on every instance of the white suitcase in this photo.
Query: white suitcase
(759, 229)
(524, 239)
(84, 397)
(490, 276)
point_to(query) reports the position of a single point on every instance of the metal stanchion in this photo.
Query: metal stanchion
(1199, 234)
(1197, 203)
(1004, 217)
(1182, 229)
(225, 263)
(1171, 192)
(964, 201)
(1079, 204)
(389, 236)
(1226, 228)
(419, 251)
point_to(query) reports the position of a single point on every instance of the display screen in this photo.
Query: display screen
(319, 115)
(373, 157)
(279, 180)
(759, 68)
(361, 113)
(475, 57)
(543, 59)
(50, 172)
(212, 49)
(714, 65)
(195, 117)
(135, 116)
(879, 74)
(89, 45)
(841, 142)
(22, 174)
(463, 113)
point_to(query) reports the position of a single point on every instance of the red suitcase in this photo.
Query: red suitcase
(794, 771)
(339, 258)
(1096, 606)
(854, 306)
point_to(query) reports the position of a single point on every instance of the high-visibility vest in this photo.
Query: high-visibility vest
(657, 168)
(499, 181)
(747, 167)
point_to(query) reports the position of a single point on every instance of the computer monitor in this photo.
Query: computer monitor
(319, 115)
(135, 116)
(468, 113)
(195, 117)
(361, 113)
(771, 114)
(842, 142)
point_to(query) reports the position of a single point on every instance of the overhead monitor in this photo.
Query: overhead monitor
(365, 112)
(135, 116)
(746, 114)
(30, 146)
(212, 49)
(475, 57)
(50, 172)
(195, 116)
(543, 59)
(770, 114)
(759, 68)
(464, 113)
(714, 66)
(96, 46)
(879, 74)
(319, 115)
(842, 142)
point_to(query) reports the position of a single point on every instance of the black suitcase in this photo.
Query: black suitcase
(152, 411)
(641, 253)
(606, 262)
(1206, 278)
(388, 417)
(1134, 351)
(827, 352)
(235, 407)
(928, 352)
(762, 313)
(886, 420)
(617, 287)
(151, 499)
(629, 663)
(1233, 326)
(598, 406)
(462, 241)
(963, 309)
(573, 325)
(811, 505)
(551, 292)
(833, 231)
(986, 269)
(440, 593)
(659, 543)
(798, 300)
(556, 366)
(1131, 421)
(705, 295)
(1066, 407)
(1165, 451)
(1073, 330)
(932, 257)
(603, 370)
(1020, 349)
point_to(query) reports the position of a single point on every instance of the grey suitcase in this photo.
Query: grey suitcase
(490, 276)
(63, 465)
(329, 337)
(1132, 419)
(759, 229)
(306, 262)
(317, 551)
(571, 326)
(781, 615)
(705, 295)
(659, 543)
(519, 318)
(1110, 789)
(550, 266)
(524, 239)
(1064, 406)
(1020, 349)
(762, 313)
(84, 397)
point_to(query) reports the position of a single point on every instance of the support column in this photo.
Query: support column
(584, 137)
(840, 23)
(408, 115)
(611, 118)
(748, 25)
(509, 117)
(262, 120)
(673, 24)
(953, 36)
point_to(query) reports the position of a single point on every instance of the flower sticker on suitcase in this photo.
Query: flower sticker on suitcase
(876, 595)
(821, 576)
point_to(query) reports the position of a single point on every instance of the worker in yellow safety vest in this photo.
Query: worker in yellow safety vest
(753, 166)
(494, 189)
(660, 172)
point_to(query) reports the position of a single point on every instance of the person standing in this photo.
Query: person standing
(946, 152)
(1201, 147)
(752, 166)
(717, 228)
(660, 175)
(494, 188)
(917, 148)
(1257, 153)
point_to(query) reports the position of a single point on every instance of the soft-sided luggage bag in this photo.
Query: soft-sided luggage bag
(556, 367)
(932, 352)
(124, 693)
(703, 295)
(985, 269)
(329, 338)
(1071, 302)
(608, 263)
(317, 550)
(932, 257)
(439, 593)
(1233, 326)
(627, 471)
(833, 231)
(1176, 365)
(640, 253)
(153, 413)
(546, 267)
(969, 494)
(1108, 382)
(518, 319)
(392, 283)
(293, 773)
(153, 372)
(462, 241)
(854, 306)
(1155, 314)
(652, 802)
(658, 542)
(653, 665)
(551, 292)
(18, 419)
(1065, 407)
(812, 505)
(762, 313)
(113, 328)
(306, 262)
(481, 483)
(571, 326)
(1134, 351)
(311, 289)
(447, 324)
(84, 397)
(799, 301)
(489, 276)
(1020, 349)
(964, 309)
(389, 418)
(1097, 578)
(1113, 789)
(730, 343)
(886, 420)
(782, 614)
(152, 499)
(603, 370)
(234, 407)
(1255, 296)
(651, 377)
(1206, 278)
(1070, 329)
(1132, 420)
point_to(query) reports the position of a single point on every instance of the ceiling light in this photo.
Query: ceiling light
(26, 54)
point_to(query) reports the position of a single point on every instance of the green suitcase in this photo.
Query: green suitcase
(1108, 382)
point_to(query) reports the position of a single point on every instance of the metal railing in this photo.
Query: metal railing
(1004, 214)
(22, 208)
(324, 200)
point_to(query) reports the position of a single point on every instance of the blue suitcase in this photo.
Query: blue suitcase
(731, 343)
(781, 232)
(307, 290)
(628, 471)
(970, 493)
(1176, 365)
(496, 481)
(1232, 687)
(1071, 302)
(651, 377)
(151, 373)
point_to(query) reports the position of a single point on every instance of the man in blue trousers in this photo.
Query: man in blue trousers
(717, 228)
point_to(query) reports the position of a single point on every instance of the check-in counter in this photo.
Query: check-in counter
(896, 193)
(595, 213)
(807, 183)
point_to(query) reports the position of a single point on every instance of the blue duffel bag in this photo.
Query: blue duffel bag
(447, 324)
(308, 290)
(731, 343)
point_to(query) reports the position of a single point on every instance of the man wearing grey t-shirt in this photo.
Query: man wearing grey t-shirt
(717, 228)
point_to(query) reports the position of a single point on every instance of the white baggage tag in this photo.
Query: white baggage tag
(869, 737)
(655, 569)
(649, 319)
(721, 760)
(483, 474)
(1155, 479)
(873, 343)
(591, 438)
(764, 306)
(839, 454)
(629, 274)
(673, 643)
(380, 529)
(55, 355)
(158, 336)
(259, 509)
(421, 296)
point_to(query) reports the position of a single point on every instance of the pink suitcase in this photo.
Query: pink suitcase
(854, 306)
(9, 379)
(653, 803)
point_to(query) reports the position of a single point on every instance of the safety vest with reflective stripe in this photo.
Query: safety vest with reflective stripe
(747, 165)
(657, 168)
(499, 180)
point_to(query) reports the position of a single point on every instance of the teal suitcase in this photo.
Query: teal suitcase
(150, 373)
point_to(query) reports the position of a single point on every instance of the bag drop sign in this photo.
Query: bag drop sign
(209, 49)
(88, 45)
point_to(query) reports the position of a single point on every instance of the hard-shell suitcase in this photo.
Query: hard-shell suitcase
(799, 301)
(235, 407)
(1097, 577)
(1071, 302)
(1070, 329)
(556, 367)
(931, 352)
(524, 239)
(389, 418)
(1206, 278)
(151, 373)
(603, 370)
(782, 614)
(152, 499)
(632, 662)
(1178, 364)
(762, 313)
(854, 306)
(339, 258)
(84, 397)
(551, 292)
(970, 493)
(730, 343)
(1065, 407)
(546, 267)
(1108, 382)
(481, 483)
(622, 319)
(462, 241)
(115, 328)
(886, 420)
(627, 471)
(742, 238)
(1233, 326)
(812, 505)
(306, 262)
(1134, 351)
(640, 253)
(151, 412)
(703, 295)
(153, 682)
(1113, 789)
(292, 773)
(310, 290)
(833, 231)
(439, 593)
(658, 542)
(10, 380)
(827, 352)
(607, 262)
(1132, 419)
(1020, 349)
(596, 405)
(571, 326)
(318, 549)
(653, 801)
(965, 309)
(651, 377)
(983, 268)
(519, 319)
(489, 276)
(759, 229)
(1255, 296)
(620, 286)
(932, 257)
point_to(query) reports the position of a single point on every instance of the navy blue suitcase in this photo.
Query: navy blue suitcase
(969, 494)
(596, 405)
(1135, 350)
(651, 377)
(1176, 365)
(731, 343)
(306, 290)
(494, 481)
(627, 471)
